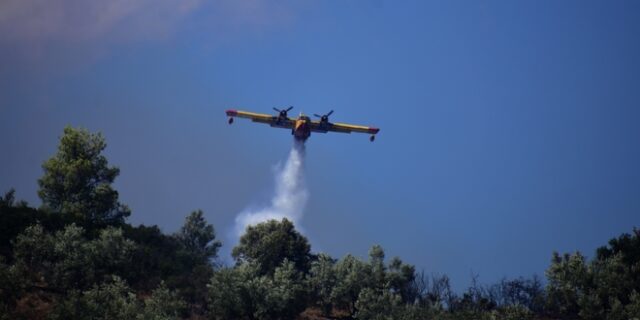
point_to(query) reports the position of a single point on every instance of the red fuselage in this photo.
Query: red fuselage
(301, 129)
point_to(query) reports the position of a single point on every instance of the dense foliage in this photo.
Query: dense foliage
(76, 257)
(77, 180)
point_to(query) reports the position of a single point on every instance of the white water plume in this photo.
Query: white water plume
(290, 195)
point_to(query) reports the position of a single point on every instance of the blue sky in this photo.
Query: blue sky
(508, 129)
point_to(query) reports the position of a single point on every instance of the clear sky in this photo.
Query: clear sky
(509, 129)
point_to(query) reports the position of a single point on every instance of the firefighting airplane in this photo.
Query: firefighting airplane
(302, 127)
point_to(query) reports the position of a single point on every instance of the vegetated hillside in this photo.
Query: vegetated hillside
(76, 257)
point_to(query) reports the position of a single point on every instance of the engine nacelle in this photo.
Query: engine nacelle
(230, 120)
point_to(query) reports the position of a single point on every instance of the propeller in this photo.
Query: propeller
(283, 112)
(324, 117)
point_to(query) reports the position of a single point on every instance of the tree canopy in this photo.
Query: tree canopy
(76, 257)
(77, 179)
(268, 244)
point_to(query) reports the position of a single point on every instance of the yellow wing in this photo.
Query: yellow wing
(274, 121)
(324, 127)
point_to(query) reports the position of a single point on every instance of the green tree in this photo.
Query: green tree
(198, 238)
(617, 267)
(401, 279)
(227, 295)
(77, 180)
(377, 305)
(286, 295)
(114, 299)
(352, 275)
(197, 248)
(65, 261)
(157, 257)
(269, 243)
(34, 253)
(242, 293)
(10, 289)
(513, 312)
(8, 200)
(378, 269)
(322, 279)
(16, 216)
(111, 253)
(163, 304)
(617, 311)
(568, 278)
(70, 264)
(110, 300)
(633, 308)
(628, 245)
(599, 289)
